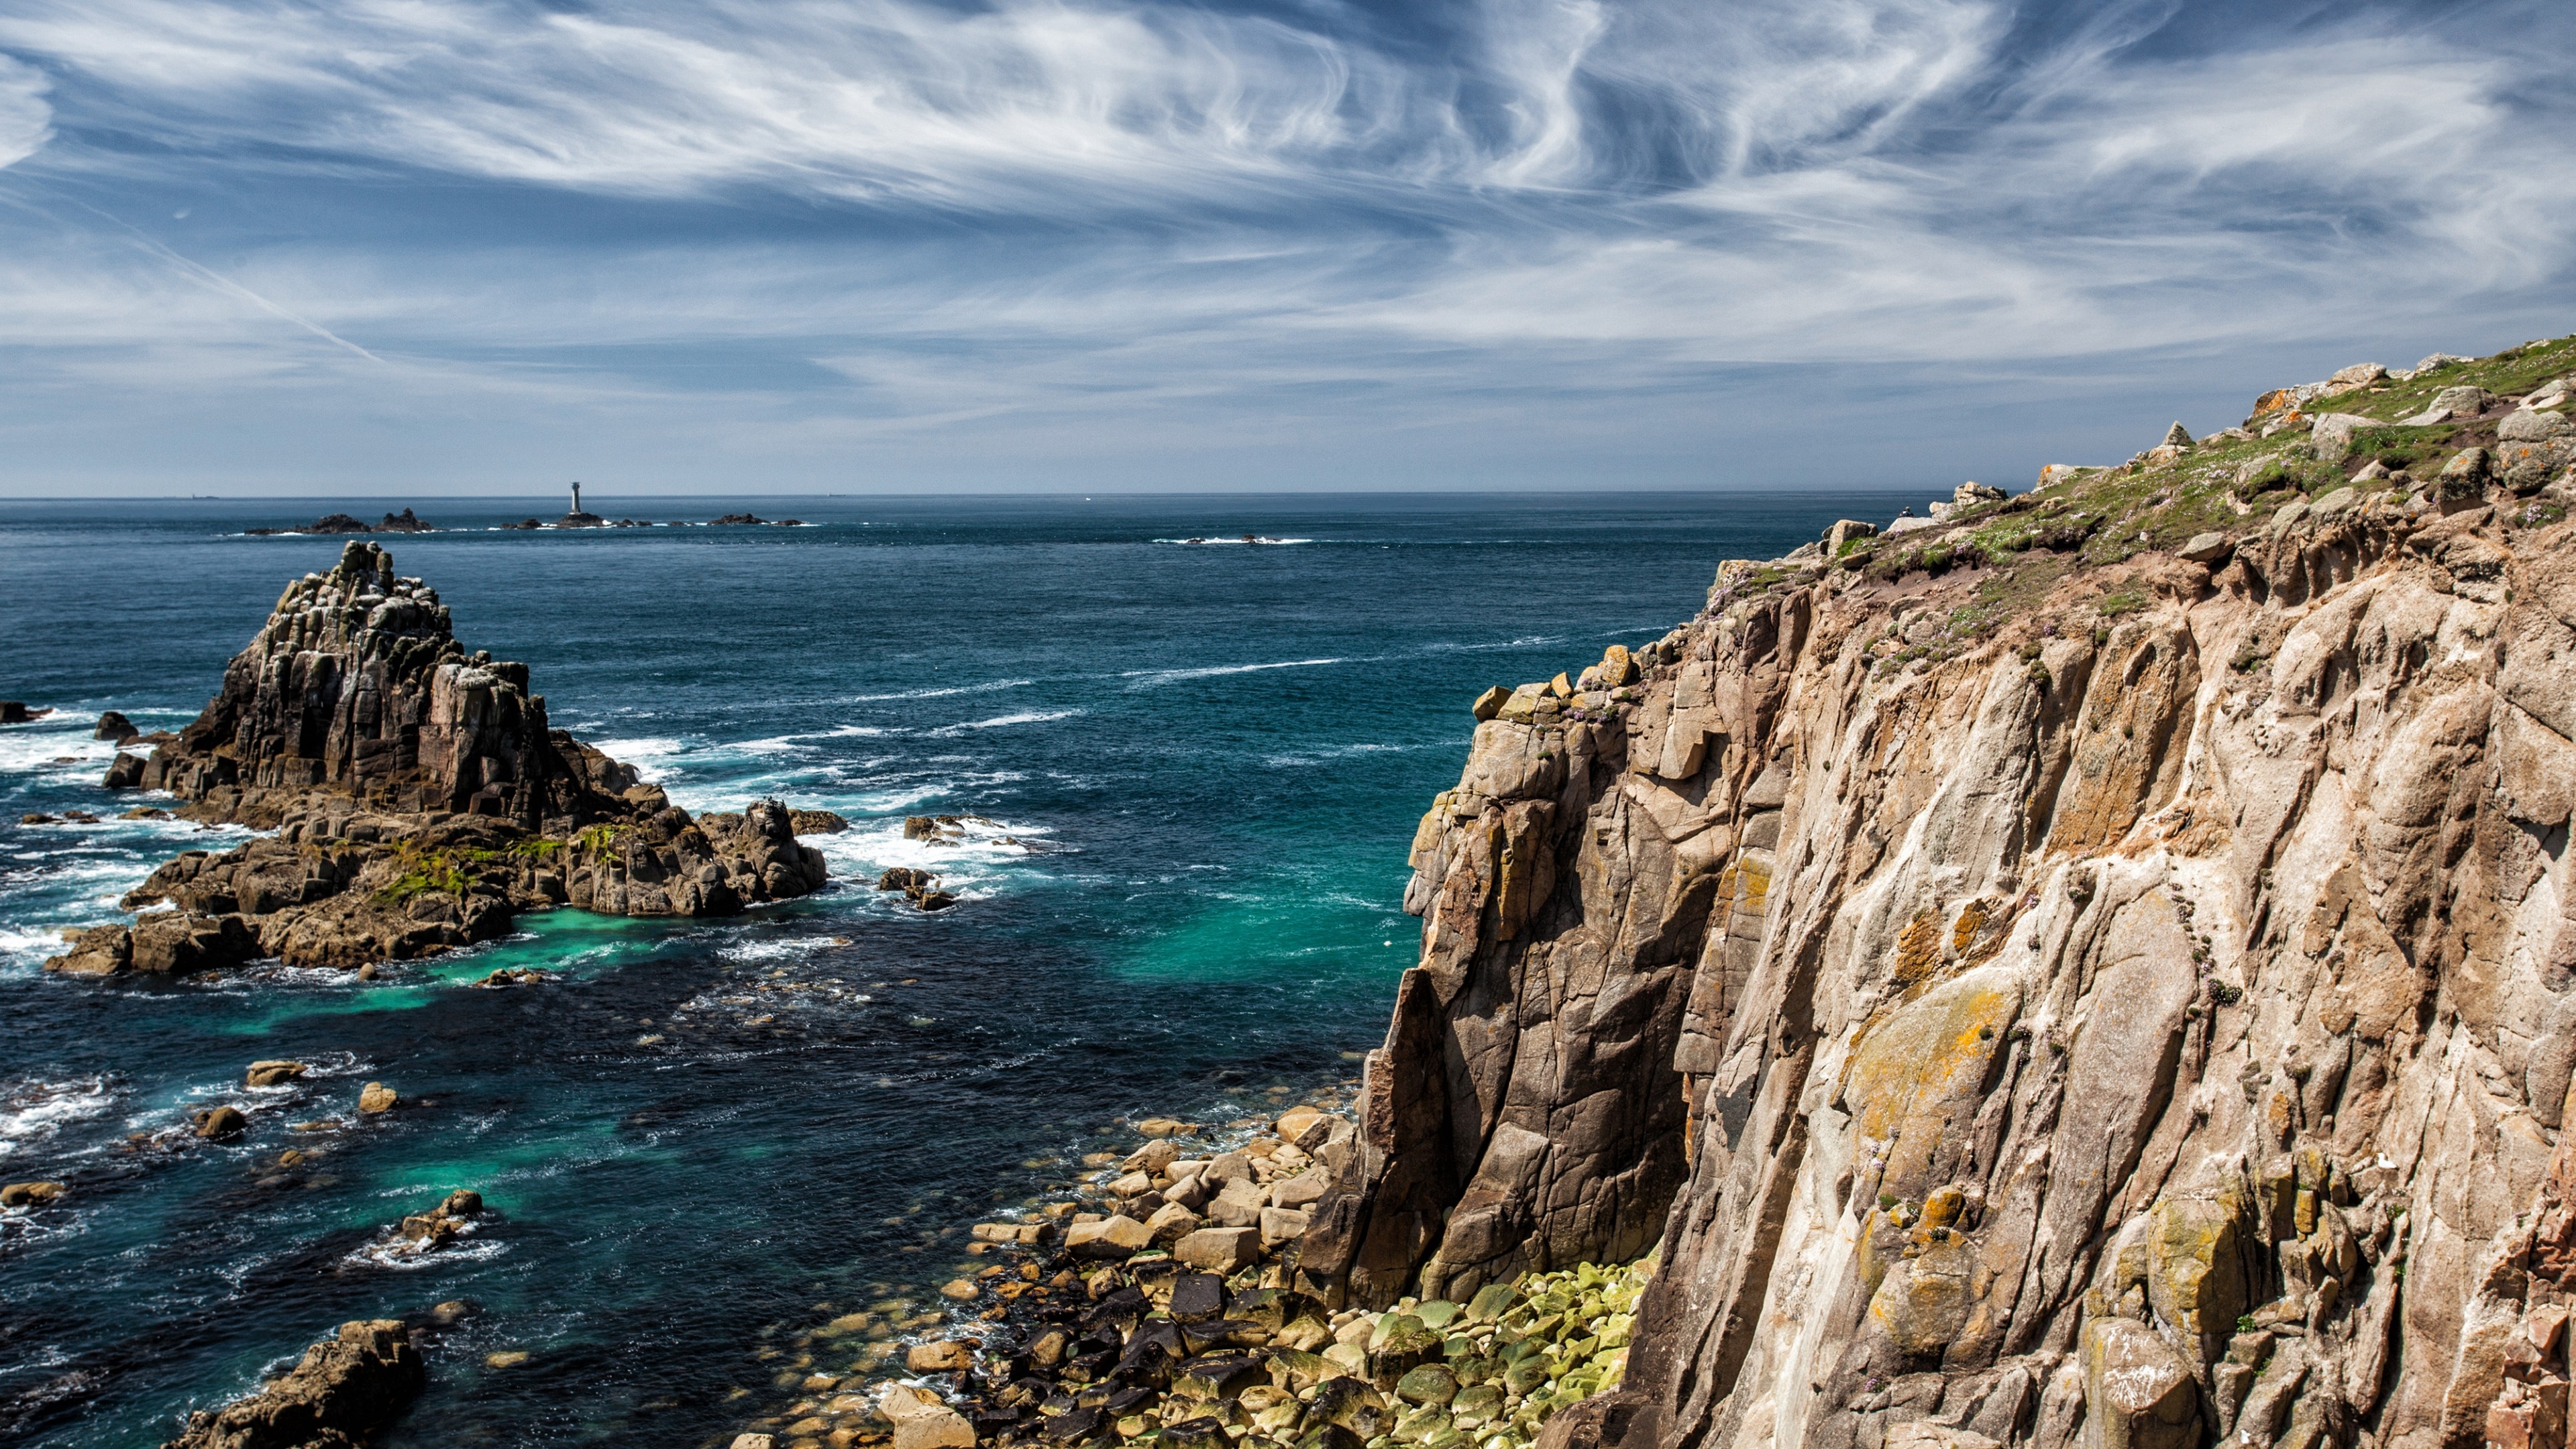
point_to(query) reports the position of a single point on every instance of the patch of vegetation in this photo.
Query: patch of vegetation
(2123, 601)
(424, 872)
(601, 839)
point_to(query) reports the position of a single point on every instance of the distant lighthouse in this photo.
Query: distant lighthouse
(576, 498)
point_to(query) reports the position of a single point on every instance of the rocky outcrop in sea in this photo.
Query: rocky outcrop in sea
(346, 1388)
(415, 799)
(2090, 966)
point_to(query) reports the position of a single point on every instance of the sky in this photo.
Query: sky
(423, 248)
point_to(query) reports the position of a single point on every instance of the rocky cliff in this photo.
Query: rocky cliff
(417, 801)
(2091, 965)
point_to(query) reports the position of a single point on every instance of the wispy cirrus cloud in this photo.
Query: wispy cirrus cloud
(1152, 229)
(26, 122)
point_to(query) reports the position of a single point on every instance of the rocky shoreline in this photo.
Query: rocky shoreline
(416, 800)
(1160, 1300)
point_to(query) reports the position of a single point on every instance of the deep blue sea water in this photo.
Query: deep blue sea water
(705, 1132)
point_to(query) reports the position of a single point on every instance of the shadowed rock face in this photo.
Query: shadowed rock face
(417, 798)
(2146, 1025)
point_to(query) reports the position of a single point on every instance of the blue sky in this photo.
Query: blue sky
(412, 248)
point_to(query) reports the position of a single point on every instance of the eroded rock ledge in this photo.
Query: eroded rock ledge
(2087, 966)
(418, 802)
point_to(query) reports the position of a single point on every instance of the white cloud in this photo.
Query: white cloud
(861, 98)
(1112, 209)
(26, 122)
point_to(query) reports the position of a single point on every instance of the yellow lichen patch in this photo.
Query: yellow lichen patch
(2196, 1278)
(1919, 1074)
(1747, 883)
(1918, 948)
(1971, 917)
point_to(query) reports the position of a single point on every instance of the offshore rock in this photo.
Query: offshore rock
(417, 797)
(2141, 1014)
(346, 1388)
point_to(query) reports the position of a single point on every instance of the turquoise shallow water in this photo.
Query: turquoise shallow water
(1211, 757)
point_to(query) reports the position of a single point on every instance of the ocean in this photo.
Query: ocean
(1194, 769)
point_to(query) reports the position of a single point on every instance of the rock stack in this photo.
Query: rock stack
(418, 799)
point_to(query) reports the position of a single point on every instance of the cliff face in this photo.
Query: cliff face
(417, 798)
(2093, 968)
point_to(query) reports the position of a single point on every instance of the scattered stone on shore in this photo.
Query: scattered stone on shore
(17, 712)
(114, 726)
(921, 1421)
(144, 812)
(1155, 1347)
(347, 1388)
(376, 1098)
(515, 976)
(1116, 1236)
(32, 1194)
(1096, 1334)
(946, 1356)
(816, 822)
(273, 1073)
(739, 518)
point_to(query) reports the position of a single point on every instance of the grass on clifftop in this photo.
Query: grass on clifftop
(2023, 547)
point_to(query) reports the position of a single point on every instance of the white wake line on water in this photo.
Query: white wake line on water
(942, 693)
(1343, 752)
(1526, 641)
(1034, 716)
(1237, 542)
(1147, 678)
